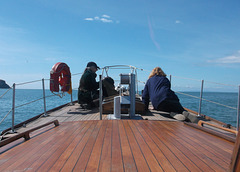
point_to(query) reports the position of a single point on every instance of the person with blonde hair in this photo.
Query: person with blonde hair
(158, 90)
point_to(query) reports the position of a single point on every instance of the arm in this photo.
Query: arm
(145, 96)
(91, 83)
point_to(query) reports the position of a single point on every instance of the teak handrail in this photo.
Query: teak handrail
(200, 123)
(25, 134)
(210, 131)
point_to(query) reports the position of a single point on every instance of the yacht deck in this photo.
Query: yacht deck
(82, 142)
(119, 145)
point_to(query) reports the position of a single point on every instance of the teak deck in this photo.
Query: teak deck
(119, 145)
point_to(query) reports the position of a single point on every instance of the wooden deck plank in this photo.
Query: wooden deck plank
(117, 161)
(38, 144)
(193, 153)
(128, 159)
(72, 160)
(176, 163)
(119, 145)
(148, 154)
(206, 146)
(140, 160)
(178, 153)
(23, 157)
(185, 156)
(204, 150)
(210, 140)
(84, 157)
(104, 163)
(163, 161)
(58, 164)
(60, 147)
(97, 149)
(36, 161)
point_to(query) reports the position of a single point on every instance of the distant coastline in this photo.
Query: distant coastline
(3, 84)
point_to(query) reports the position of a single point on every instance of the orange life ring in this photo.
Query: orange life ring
(60, 75)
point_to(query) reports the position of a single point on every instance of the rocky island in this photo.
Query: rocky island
(3, 84)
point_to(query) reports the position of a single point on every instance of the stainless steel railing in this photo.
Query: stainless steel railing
(132, 70)
(44, 97)
(202, 99)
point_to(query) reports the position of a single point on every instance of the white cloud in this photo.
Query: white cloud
(178, 22)
(233, 59)
(104, 18)
(89, 19)
(152, 36)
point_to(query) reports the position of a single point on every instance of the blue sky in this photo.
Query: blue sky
(197, 39)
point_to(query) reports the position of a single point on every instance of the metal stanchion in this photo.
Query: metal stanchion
(100, 96)
(132, 95)
(238, 108)
(13, 107)
(71, 100)
(44, 99)
(200, 101)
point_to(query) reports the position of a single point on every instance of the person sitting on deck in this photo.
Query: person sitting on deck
(158, 90)
(88, 87)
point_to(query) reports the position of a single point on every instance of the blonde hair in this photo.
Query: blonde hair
(157, 71)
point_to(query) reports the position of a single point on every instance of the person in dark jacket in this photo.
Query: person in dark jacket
(158, 90)
(88, 87)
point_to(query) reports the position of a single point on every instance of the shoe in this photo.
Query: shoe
(191, 117)
(179, 117)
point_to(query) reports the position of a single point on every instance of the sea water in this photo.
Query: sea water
(29, 103)
(25, 110)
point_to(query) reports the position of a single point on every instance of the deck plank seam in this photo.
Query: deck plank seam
(21, 145)
(102, 147)
(104, 132)
(88, 146)
(93, 145)
(56, 144)
(128, 144)
(179, 138)
(125, 129)
(32, 151)
(120, 144)
(154, 143)
(203, 152)
(92, 123)
(210, 146)
(146, 144)
(159, 139)
(207, 135)
(83, 131)
(84, 147)
(139, 146)
(59, 147)
(71, 137)
(106, 142)
(174, 146)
